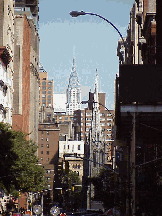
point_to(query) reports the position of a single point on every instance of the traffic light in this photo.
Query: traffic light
(66, 167)
(60, 168)
(72, 187)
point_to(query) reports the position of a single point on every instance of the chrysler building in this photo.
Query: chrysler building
(73, 92)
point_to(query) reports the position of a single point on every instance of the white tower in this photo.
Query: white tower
(73, 92)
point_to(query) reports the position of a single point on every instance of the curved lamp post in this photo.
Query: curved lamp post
(80, 13)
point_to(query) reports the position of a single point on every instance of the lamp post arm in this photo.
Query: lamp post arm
(108, 22)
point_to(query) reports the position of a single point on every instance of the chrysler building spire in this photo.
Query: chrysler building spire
(73, 92)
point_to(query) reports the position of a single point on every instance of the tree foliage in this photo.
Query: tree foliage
(18, 162)
(105, 186)
(71, 191)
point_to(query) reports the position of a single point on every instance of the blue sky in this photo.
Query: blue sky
(91, 40)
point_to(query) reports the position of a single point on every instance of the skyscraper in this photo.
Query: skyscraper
(73, 92)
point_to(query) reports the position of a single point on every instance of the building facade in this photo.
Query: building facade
(6, 57)
(26, 76)
(46, 89)
(83, 125)
(59, 104)
(48, 148)
(137, 113)
(67, 150)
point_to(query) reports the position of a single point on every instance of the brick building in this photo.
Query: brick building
(66, 126)
(83, 124)
(26, 77)
(46, 89)
(48, 150)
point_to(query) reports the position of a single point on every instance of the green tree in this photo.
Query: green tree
(18, 162)
(105, 187)
(71, 189)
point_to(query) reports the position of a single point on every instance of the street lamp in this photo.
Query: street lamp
(80, 13)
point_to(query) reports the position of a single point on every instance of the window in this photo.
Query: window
(78, 147)
(79, 166)
(42, 132)
(48, 116)
(47, 139)
(44, 104)
(48, 178)
(41, 159)
(44, 87)
(60, 118)
(49, 96)
(49, 83)
(41, 152)
(88, 119)
(64, 146)
(49, 92)
(102, 119)
(66, 118)
(44, 126)
(71, 118)
(68, 146)
(48, 171)
(47, 159)
(44, 83)
(49, 88)
(43, 100)
(47, 152)
(49, 101)
(43, 92)
(43, 95)
(109, 120)
(42, 138)
(47, 132)
(47, 145)
(88, 124)
(89, 114)
(109, 129)
(41, 145)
